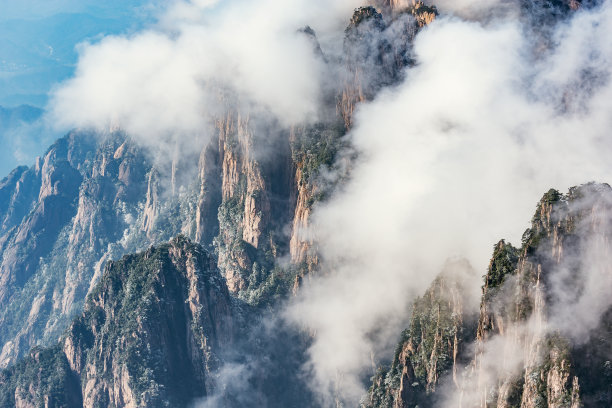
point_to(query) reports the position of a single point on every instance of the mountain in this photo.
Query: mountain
(92, 198)
(11, 117)
(150, 334)
(527, 347)
(158, 324)
(434, 346)
(150, 277)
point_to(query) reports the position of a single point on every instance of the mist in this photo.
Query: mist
(568, 301)
(450, 161)
(171, 81)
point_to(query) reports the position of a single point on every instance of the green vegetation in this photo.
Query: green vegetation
(46, 372)
(426, 348)
(503, 263)
(421, 8)
(136, 323)
(364, 14)
(316, 148)
(267, 289)
(555, 353)
(547, 207)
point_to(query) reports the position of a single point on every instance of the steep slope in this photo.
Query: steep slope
(542, 337)
(247, 193)
(435, 344)
(527, 299)
(150, 335)
(377, 47)
(60, 218)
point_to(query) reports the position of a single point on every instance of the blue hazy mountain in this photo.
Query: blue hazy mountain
(21, 133)
(37, 42)
(11, 117)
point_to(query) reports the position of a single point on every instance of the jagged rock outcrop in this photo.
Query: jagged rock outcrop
(43, 379)
(209, 195)
(152, 203)
(61, 217)
(532, 346)
(377, 48)
(521, 304)
(433, 346)
(314, 150)
(520, 300)
(245, 202)
(37, 206)
(150, 335)
(93, 198)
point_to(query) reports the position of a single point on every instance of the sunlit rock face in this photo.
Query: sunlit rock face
(150, 335)
(246, 194)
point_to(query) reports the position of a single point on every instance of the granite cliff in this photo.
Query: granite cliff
(151, 334)
(130, 277)
(519, 352)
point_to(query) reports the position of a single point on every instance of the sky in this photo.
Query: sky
(38, 49)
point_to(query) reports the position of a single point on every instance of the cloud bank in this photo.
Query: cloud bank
(452, 160)
(174, 78)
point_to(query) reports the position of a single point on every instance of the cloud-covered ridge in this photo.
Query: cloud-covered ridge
(450, 161)
(174, 78)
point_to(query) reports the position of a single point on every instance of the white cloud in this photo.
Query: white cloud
(167, 80)
(452, 160)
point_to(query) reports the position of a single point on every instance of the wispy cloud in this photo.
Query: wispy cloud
(176, 77)
(452, 160)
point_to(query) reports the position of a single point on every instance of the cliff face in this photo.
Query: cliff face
(37, 202)
(153, 328)
(434, 345)
(91, 199)
(377, 48)
(244, 213)
(525, 354)
(521, 303)
(61, 219)
(150, 335)
(43, 379)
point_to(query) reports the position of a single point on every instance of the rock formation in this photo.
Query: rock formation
(524, 355)
(150, 335)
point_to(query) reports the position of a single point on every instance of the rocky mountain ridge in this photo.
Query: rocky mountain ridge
(153, 328)
(92, 198)
(151, 334)
(521, 354)
(126, 348)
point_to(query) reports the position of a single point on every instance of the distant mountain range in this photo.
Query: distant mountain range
(37, 53)
(13, 117)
